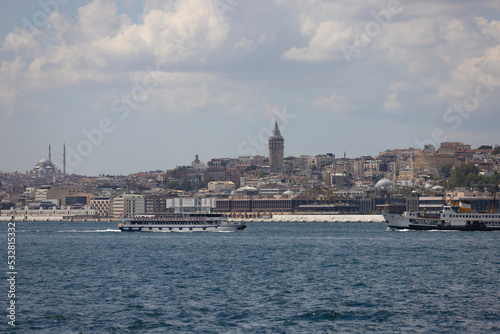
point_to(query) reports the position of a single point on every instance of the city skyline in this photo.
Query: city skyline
(145, 85)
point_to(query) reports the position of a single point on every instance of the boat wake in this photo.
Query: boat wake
(90, 231)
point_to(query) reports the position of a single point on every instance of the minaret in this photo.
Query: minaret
(276, 149)
(50, 154)
(64, 159)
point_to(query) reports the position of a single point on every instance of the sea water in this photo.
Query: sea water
(270, 278)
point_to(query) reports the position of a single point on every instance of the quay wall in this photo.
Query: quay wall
(319, 218)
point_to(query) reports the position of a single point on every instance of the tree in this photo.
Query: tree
(485, 147)
(464, 176)
(250, 168)
(173, 185)
(496, 150)
(186, 185)
(446, 170)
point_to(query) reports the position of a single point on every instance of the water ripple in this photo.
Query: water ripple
(272, 278)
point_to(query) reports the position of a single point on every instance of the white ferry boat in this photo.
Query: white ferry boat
(183, 222)
(458, 216)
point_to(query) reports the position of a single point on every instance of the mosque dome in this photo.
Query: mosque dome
(384, 183)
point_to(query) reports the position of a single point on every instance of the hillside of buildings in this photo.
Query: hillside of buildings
(253, 187)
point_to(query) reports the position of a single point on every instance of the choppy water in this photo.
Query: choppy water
(271, 278)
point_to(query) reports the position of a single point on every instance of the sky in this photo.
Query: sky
(132, 86)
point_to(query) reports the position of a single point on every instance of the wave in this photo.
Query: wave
(90, 231)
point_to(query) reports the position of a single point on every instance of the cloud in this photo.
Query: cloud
(335, 103)
(102, 42)
(9, 85)
(249, 45)
(392, 105)
(471, 72)
(103, 47)
(325, 43)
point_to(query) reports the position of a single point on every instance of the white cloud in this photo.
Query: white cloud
(392, 105)
(9, 81)
(246, 44)
(335, 103)
(325, 43)
(100, 45)
(103, 40)
(249, 45)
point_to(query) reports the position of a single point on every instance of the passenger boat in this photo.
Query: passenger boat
(452, 217)
(182, 222)
(457, 216)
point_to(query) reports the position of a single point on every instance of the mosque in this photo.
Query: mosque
(46, 168)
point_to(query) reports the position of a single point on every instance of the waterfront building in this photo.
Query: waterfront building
(276, 149)
(156, 203)
(51, 213)
(41, 193)
(116, 207)
(190, 204)
(128, 205)
(79, 199)
(134, 205)
(61, 191)
(100, 205)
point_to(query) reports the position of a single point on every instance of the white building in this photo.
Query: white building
(190, 204)
(127, 206)
(52, 214)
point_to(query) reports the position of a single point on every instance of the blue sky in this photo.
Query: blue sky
(143, 85)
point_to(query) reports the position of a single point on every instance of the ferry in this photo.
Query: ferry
(182, 222)
(457, 216)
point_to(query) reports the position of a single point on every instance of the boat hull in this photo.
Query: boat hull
(182, 229)
(396, 221)
(471, 227)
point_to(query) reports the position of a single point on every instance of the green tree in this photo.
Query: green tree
(464, 176)
(496, 150)
(173, 185)
(186, 185)
(250, 168)
(446, 170)
(491, 179)
(485, 147)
